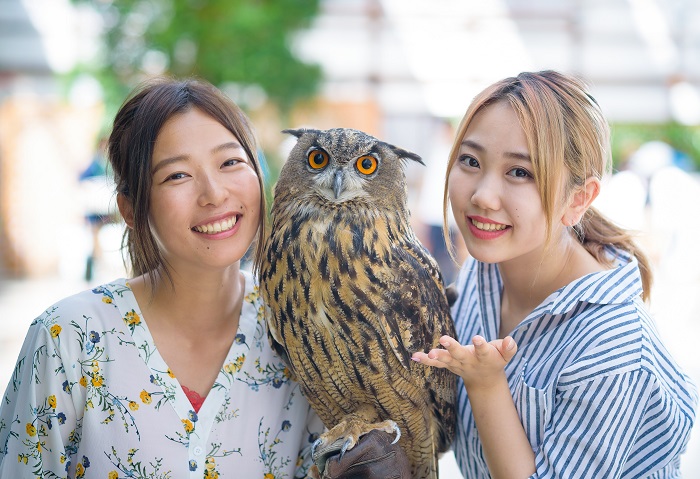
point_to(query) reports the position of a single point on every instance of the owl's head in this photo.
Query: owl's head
(344, 165)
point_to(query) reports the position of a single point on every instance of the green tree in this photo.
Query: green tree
(243, 46)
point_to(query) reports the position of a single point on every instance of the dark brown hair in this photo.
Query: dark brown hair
(130, 151)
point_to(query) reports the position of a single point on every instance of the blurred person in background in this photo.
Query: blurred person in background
(96, 189)
(169, 373)
(561, 369)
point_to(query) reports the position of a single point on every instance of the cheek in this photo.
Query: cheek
(456, 187)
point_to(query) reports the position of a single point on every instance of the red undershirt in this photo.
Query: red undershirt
(195, 399)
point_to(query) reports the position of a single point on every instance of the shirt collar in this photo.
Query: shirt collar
(620, 284)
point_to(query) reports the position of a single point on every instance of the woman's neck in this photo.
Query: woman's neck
(196, 304)
(527, 282)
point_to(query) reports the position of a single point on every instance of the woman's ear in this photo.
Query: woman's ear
(126, 210)
(580, 201)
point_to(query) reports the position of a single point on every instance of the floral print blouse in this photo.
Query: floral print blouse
(91, 397)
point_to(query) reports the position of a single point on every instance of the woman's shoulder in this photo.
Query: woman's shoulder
(94, 302)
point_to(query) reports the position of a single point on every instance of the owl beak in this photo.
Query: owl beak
(338, 183)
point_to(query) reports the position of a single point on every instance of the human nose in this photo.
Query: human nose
(212, 191)
(487, 194)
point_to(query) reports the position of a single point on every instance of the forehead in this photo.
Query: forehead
(496, 127)
(190, 129)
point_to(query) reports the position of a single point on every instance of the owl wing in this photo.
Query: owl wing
(418, 316)
(419, 313)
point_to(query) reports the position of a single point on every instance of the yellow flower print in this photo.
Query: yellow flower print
(132, 319)
(107, 299)
(113, 475)
(31, 430)
(83, 381)
(95, 366)
(287, 373)
(97, 381)
(52, 401)
(62, 459)
(55, 330)
(170, 373)
(210, 463)
(89, 404)
(133, 405)
(79, 470)
(251, 298)
(269, 476)
(145, 397)
(189, 427)
(38, 447)
(235, 366)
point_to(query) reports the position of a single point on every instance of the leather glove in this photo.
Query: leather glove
(373, 457)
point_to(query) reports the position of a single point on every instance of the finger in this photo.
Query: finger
(481, 347)
(448, 342)
(434, 361)
(508, 348)
(456, 350)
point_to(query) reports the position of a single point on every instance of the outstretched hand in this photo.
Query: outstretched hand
(478, 363)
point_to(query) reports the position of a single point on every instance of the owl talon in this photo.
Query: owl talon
(397, 430)
(346, 446)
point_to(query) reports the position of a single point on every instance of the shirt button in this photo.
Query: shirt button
(197, 451)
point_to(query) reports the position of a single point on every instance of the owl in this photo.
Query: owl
(351, 293)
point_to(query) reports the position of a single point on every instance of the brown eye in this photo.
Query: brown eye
(366, 165)
(318, 159)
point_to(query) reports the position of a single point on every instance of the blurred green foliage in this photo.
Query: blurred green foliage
(627, 137)
(242, 46)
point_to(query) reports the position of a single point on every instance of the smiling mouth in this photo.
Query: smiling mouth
(217, 227)
(488, 226)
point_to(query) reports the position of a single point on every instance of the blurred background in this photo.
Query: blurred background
(402, 70)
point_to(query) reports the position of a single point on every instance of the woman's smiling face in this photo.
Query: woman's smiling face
(494, 196)
(205, 195)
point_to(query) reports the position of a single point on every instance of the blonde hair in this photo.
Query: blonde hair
(568, 140)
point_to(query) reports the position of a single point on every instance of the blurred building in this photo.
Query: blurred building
(44, 138)
(394, 68)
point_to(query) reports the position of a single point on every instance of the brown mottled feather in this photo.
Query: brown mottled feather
(352, 294)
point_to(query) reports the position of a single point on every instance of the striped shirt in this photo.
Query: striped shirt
(597, 392)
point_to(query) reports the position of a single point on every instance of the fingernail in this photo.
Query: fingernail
(477, 341)
(415, 358)
(511, 345)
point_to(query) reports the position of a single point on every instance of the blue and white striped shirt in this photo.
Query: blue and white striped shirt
(596, 391)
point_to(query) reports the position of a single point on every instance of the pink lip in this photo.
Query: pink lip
(481, 234)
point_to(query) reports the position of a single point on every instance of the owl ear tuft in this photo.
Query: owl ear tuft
(299, 131)
(405, 154)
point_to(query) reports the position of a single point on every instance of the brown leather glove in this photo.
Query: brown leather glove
(373, 457)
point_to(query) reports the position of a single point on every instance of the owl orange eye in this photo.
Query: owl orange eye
(318, 159)
(366, 165)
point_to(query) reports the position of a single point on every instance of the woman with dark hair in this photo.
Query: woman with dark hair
(168, 374)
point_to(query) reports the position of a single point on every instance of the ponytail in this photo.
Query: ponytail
(595, 232)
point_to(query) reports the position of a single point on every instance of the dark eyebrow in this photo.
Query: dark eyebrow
(227, 146)
(511, 154)
(230, 145)
(168, 161)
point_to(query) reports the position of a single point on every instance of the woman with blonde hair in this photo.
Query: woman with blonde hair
(561, 369)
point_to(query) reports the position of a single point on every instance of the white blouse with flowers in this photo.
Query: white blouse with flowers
(91, 397)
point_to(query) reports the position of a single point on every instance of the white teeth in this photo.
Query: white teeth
(488, 226)
(217, 227)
